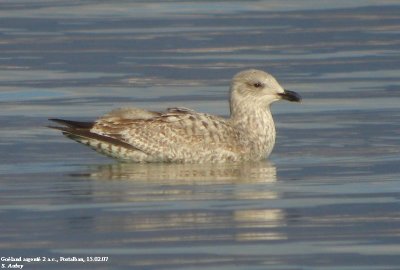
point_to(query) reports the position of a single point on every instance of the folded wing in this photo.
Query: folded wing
(178, 134)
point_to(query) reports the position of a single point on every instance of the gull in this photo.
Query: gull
(181, 135)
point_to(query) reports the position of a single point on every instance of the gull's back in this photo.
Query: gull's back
(177, 135)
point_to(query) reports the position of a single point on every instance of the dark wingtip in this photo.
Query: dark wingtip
(72, 124)
(56, 120)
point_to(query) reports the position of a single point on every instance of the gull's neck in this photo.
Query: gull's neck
(255, 126)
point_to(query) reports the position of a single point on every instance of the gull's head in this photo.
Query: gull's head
(259, 88)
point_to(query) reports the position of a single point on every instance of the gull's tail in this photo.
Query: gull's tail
(81, 132)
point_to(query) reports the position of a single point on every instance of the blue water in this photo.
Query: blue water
(327, 198)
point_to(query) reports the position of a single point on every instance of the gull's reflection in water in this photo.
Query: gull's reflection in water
(174, 204)
(188, 174)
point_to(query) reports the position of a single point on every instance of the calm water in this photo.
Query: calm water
(328, 197)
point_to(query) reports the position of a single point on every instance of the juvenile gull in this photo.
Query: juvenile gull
(184, 136)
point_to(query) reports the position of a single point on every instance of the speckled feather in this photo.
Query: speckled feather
(178, 135)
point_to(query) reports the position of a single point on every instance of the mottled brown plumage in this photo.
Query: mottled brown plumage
(185, 136)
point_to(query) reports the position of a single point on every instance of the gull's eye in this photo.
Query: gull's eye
(258, 85)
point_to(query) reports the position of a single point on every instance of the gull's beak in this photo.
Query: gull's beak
(290, 96)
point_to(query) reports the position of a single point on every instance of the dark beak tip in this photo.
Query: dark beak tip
(298, 99)
(291, 96)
